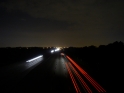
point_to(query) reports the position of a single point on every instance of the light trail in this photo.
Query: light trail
(92, 81)
(57, 49)
(52, 51)
(34, 58)
(73, 79)
(80, 78)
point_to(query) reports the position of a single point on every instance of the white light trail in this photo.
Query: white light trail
(34, 58)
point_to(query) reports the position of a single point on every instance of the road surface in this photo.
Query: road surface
(56, 74)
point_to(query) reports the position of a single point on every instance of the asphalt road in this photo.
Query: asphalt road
(42, 75)
(55, 74)
(11, 75)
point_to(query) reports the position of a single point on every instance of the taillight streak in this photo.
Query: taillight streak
(80, 78)
(92, 81)
(73, 79)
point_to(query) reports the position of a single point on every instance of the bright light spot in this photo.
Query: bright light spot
(52, 51)
(34, 58)
(57, 49)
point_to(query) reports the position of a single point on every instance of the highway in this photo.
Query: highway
(56, 74)
(10, 75)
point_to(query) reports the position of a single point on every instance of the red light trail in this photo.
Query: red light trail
(91, 80)
(73, 79)
(80, 78)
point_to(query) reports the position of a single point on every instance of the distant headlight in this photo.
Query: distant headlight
(57, 49)
(52, 51)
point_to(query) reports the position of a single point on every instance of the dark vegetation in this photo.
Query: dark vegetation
(103, 63)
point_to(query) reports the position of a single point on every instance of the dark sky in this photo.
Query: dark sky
(61, 22)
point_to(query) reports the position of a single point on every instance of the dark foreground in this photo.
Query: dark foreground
(50, 75)
(54, 74)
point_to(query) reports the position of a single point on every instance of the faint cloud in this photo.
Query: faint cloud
(88, 19)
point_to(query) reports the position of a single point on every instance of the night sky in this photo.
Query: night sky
(29, 23)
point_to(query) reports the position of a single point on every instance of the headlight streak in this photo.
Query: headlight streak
(34, 58)
(81, 80)
(92, 81)
(73, 79)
